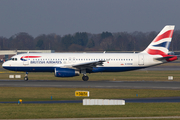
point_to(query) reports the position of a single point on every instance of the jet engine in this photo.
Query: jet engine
(65, 72)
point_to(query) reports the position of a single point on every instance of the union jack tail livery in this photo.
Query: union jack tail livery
(160, 45)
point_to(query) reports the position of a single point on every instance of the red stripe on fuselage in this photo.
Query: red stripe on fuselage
(167, 34)
(31, 57)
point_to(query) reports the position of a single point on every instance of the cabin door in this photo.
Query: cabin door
(141, 60)
(26, 59)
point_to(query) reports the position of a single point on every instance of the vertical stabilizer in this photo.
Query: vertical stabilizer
(160, 45)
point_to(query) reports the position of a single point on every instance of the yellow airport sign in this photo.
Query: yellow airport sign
(82, 93)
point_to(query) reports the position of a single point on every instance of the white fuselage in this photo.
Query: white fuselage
(46, 62)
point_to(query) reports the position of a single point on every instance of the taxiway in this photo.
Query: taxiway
(92, 84)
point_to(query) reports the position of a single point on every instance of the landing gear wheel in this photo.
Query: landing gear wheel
(26, 78)
(85, 78)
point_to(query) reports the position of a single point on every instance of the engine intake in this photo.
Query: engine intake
(65, 72)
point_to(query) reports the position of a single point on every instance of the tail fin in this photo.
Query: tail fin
(160, 45)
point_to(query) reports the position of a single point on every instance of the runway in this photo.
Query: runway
(92, 84)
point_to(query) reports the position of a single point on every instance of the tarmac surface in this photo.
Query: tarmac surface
(134, 100)
(92, 84)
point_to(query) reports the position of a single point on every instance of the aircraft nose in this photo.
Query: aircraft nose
(4, 64)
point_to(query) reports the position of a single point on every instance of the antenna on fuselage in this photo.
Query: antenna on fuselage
(28, 53)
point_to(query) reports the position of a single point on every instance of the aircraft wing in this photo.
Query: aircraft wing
(89, 65)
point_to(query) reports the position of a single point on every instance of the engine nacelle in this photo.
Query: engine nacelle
(65, 72)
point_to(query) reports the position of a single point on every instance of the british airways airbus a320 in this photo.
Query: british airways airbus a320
(74, 64)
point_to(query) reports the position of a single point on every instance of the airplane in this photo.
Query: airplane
(74, 64)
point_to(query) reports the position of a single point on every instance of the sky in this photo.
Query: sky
(62, 17)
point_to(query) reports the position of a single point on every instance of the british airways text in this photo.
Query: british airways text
(46, 62)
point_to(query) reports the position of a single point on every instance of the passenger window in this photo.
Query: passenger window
(15, 59)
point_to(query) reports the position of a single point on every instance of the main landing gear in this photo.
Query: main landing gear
(85, 78)
(26, 77)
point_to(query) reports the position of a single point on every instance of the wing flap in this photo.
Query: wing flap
(89, 65)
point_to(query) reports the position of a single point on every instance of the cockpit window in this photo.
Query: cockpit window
(13, 59)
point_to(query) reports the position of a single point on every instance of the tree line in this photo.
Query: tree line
(82, 41)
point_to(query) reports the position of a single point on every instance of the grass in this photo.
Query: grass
(30, 111)
(116, 76)
(44, 94)
(77, 110)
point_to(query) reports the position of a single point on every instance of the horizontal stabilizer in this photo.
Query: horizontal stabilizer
(167, 58)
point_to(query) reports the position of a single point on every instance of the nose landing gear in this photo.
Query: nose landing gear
(26, 77)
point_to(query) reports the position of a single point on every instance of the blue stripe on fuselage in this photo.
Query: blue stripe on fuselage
(51, 69)
(31, 69)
